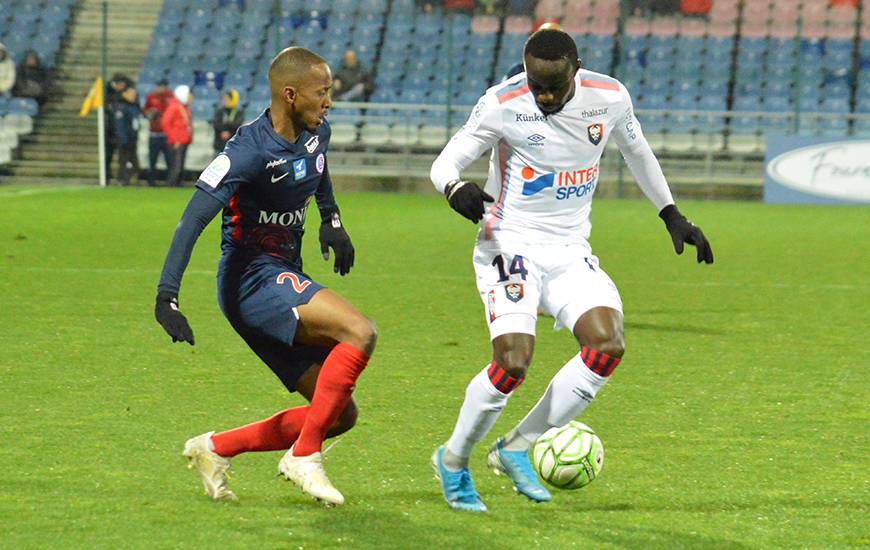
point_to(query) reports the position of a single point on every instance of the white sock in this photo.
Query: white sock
(568, 395)
(482, 406)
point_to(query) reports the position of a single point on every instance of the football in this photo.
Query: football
(568, 457)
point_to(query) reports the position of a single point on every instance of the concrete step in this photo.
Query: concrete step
(84, 154)
(42, 180)
(65, 169)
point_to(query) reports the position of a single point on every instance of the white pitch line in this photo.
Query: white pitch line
(12, 193)
(212, 273)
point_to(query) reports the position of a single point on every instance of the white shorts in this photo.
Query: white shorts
(564, 280)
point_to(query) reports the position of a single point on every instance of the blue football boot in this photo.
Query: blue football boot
(458, 488)
(517, 466)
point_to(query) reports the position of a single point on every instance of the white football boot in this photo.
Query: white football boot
(307, 472)
(211, 467)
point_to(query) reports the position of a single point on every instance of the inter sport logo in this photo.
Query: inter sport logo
(572, 183)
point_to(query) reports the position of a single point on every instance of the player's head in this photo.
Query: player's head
(551, 61)
(350, 59)
(300, 81)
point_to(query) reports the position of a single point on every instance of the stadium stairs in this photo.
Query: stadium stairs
(63, 146)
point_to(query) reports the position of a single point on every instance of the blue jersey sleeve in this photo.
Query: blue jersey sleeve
(227, 172)
(201, 209)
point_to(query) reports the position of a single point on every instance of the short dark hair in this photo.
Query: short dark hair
(551, 45)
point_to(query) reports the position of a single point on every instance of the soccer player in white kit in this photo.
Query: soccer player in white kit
(547, 128)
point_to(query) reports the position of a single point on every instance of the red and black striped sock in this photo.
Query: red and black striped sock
(598, 362)
(503, 382)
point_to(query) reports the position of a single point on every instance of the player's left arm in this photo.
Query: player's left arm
(332, 231)
(647, 171)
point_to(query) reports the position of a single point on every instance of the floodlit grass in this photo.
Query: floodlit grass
(738, 419)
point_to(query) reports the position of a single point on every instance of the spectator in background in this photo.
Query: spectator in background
(696, 7)
(352, 82)
(155, 105)
(7, 72)
(114, 88)
(177, 124)
(126, 126)
(227, 119)
(32, 79)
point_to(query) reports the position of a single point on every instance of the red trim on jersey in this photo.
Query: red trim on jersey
(510, 95)
(600, 85)
(236, 218)
(502, 170)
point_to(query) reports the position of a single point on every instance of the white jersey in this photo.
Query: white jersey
(544, 169)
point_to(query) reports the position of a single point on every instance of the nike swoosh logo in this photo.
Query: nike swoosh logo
(274, 179)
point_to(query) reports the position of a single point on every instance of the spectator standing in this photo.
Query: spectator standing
(178, 126)
(32, 79)
(126, 122)
(114, 89)
(227, 119)
(7, 72)
(352, 82)
(155, 105)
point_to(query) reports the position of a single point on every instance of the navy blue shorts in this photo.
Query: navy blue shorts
(260, 299)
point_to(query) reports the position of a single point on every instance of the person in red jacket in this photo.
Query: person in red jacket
(177, 124)
(155, 105)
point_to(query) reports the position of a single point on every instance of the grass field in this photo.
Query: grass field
(738, 419)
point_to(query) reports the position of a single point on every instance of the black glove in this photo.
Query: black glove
(171, 319)
(467, 199)
(684, 231)
(332, 234)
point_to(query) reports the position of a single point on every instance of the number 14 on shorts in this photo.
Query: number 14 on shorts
(516, 267)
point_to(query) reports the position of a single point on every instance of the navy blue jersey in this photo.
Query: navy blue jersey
(265, 184)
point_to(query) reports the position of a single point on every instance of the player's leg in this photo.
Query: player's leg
(597, 324)
(327, 319)
(153, 150)
(511, 304)
(280, 431)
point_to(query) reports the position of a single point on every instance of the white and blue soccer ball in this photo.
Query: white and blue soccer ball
(568, 457)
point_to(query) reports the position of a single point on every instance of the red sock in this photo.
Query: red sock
(599, 362)
(276, 433)
(335, 384)
(503, 382)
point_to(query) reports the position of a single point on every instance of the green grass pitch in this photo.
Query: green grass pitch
(738, 419)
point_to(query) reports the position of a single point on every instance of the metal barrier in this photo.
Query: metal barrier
(401, 140)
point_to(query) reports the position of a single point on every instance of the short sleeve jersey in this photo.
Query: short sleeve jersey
(266, 184)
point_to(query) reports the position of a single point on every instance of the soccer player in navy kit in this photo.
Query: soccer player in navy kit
(314, 340)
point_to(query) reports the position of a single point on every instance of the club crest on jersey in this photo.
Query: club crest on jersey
(299, 169)
(320, 163)
(514, 292)
(595, 131)
(311, 145)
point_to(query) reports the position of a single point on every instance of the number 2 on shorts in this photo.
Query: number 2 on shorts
(516, 267)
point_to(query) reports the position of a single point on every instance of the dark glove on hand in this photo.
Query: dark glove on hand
(332, 234)
(467, 199)
(684, 231)
(170, 318)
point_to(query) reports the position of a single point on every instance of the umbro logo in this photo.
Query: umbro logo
(536, 140)
(273, 163)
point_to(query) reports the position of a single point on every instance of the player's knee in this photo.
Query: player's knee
(362, 333)
(514, 361)
(613, 345)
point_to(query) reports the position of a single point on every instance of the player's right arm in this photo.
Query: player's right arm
(480, 132)
(217, 183)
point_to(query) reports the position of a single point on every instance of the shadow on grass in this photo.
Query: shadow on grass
(661, 327)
